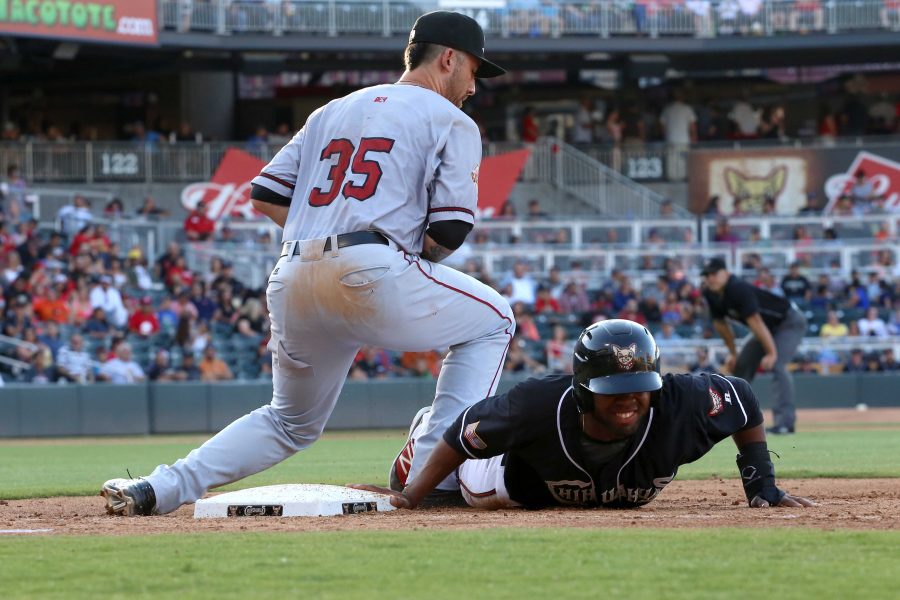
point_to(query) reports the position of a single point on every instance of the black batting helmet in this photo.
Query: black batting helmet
(616, 356)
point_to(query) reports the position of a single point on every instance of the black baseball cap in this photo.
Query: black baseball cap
(713, 265)
(457, 31)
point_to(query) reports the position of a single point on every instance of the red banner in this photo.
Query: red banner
(498, 176)
(228, 194)
(122, 21)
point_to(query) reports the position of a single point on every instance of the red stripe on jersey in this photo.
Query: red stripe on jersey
(277, 180)
(477, 299)
(452, 209)
(477, 494)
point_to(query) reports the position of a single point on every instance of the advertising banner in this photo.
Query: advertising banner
(744, 180)
(121, 21)
(228, 193)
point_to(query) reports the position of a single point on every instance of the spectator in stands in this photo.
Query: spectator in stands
(535, 213)
(667, 336)
(833, 327)
(529, 128)
(143, 321)
(252, 320)
(526, 328)
(518, 360)
(807, 15)
(426, 365)
(795, 285)
(772, 123)
(205, 305)
(857, 294)
(97, 326)
(807, 364)
(583, 128)
(226, 279)
(114, 209)
(179, 276)
(51, 338)
(894, 324)
(862, 192)
(104, 296)
(121, 368)
(49, 306)
(559, 350)
(857, 362)
(888, 362)
(197, 226)
(745, 118)
(890, 14)
(523, 285)
(213, 368)
(872, 325)
(14, 194)
(574, 299)
(150, 210)
(828, 126)
(545, 302)
(79, 304)
(73, 363)
(74, 217)
(630, 311)
(162, 370)
(42, 370)
(679, 126)
(724, 233)
(188, 370)
(702, 364)
(374, 362)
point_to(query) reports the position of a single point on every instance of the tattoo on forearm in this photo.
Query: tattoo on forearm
(435, 253)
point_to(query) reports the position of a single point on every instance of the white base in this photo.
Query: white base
(294, 500)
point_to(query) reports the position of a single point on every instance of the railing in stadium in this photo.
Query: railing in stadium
(591, 248)
(602, 18)
(137, 162)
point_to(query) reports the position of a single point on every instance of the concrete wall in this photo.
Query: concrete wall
(71, 410)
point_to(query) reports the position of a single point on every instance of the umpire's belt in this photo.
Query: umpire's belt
(343, 240)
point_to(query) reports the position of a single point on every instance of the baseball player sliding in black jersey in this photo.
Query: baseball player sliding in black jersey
(614, 434)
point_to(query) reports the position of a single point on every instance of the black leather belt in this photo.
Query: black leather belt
(345, 239)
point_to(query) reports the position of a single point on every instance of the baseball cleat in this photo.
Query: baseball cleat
(129, 497)
(400, 467)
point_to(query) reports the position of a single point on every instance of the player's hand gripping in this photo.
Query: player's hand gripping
(398, 499)
(788, 501)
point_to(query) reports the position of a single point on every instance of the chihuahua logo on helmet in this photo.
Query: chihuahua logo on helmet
(625, 356)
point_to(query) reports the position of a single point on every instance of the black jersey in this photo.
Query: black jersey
(740, 299)
(536, 425)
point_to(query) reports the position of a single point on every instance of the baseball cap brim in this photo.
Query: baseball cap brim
(488, 69)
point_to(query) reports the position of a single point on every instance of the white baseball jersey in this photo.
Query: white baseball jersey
(391, 158)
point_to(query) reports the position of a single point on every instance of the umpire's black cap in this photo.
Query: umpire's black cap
(713, 265)
(456, 31)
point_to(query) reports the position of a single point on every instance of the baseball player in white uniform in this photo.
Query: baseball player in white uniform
(373, 192)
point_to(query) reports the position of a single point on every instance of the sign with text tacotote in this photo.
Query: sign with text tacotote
(121, 21)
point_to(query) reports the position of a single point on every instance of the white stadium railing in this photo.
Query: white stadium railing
(601, 18)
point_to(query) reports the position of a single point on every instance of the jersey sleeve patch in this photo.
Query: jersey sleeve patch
(472, 437)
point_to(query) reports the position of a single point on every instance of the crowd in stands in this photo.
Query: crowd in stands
(90, 310)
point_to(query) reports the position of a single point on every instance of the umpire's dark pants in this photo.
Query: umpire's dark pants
(787, 337)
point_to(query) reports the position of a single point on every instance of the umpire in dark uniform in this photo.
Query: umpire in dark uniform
(777, 328)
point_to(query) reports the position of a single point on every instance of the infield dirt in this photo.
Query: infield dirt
(872, 504)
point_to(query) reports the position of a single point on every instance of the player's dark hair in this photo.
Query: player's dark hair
(420, 53)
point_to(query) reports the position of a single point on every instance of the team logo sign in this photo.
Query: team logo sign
(717, 404)
(472, 437)
(881, 172)
(625, 356)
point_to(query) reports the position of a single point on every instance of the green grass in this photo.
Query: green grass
(499, 563)
(78, 467)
